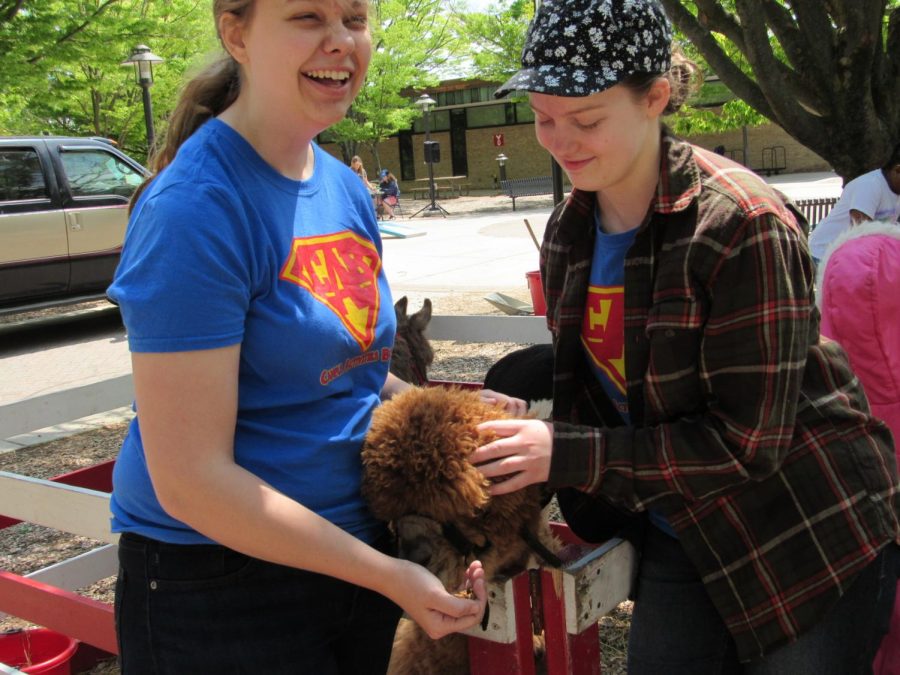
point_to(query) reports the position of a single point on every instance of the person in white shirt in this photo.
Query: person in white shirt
(872, 196)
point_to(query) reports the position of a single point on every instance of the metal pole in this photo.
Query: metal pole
(556, 176)
(148, 117)
(745, 149)
(433, 207)
(429, 159)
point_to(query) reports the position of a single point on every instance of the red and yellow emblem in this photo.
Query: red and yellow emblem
(602, 331)
(341, 271)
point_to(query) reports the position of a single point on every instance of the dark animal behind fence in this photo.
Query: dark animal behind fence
(412, 354)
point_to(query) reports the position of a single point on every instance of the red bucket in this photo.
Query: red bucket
(40, 651)
(537, 292)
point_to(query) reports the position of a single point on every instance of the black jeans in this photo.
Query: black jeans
(676, 630)
(191, 610)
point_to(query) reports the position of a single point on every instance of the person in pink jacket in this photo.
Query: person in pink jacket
(859, 297)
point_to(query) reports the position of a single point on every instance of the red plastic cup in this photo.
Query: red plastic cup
(537, 292)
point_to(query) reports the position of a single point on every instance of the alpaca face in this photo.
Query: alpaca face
(421, 540)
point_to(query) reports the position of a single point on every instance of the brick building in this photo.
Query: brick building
(473, 129)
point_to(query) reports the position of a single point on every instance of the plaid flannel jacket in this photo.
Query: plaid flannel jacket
(748, 432)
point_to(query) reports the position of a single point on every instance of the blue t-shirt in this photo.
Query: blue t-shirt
(222, 249)
(603, 326)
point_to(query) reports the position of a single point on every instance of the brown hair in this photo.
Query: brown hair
(206, 95)
(684, 76)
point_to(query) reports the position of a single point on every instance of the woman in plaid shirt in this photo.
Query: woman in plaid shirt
(694, 400)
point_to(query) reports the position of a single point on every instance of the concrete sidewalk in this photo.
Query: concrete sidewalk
(474, 253)
(484, 245)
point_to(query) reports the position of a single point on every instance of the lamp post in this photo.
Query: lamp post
(425, 102)
(143, 59)
(501, 160)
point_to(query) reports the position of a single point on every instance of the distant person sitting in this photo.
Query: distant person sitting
(390, 194)
(872, 196)
(357, 165)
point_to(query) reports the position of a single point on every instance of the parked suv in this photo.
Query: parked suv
(63, 211)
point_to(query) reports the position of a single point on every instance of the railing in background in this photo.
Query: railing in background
(814, 210)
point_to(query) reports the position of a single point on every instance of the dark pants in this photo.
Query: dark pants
(676, 630)
(191, 610)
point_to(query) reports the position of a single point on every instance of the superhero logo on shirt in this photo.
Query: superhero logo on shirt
(341, 271)
(603, 331)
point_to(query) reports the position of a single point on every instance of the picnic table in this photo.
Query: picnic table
(449, 184)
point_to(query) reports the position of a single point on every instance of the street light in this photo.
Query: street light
(143, 59)
(425, 102)
(501, 160)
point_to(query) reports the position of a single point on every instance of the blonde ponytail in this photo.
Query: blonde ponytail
(685, 79)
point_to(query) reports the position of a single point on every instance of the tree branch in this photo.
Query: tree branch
(11, 9)
(718, 60)
(715, 19)
(804, 68)
(858, 49)
(890, 82)
(782, 24)
(777, 84)
(77, 29)
(815, 25)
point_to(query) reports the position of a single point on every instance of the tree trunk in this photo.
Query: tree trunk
(348, 150)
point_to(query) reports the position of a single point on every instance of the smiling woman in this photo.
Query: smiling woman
(252, 265)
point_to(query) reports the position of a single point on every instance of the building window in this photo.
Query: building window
(440, 121)
(486, 116)
(524, 113)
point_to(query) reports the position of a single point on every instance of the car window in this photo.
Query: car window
(94, 173)
(21, 176)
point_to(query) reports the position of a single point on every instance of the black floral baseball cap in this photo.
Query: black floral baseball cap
(584, 47)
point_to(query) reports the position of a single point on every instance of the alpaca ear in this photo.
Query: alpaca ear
(400, 308)
(420, 319)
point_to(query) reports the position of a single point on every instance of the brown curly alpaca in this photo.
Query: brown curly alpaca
(417, 476)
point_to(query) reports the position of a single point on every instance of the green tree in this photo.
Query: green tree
(826, 71)
(411, 40)
(496, 38)
(61, 69)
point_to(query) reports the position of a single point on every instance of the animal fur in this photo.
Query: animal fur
(417, 476)
(412, 355)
